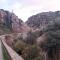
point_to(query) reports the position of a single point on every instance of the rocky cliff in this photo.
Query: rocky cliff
(12, 22)
(42, 19)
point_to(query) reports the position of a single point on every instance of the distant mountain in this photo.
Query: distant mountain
(42, 19)
(9, 20)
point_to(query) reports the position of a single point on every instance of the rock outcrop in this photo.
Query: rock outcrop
(42, 19)
(12, 22)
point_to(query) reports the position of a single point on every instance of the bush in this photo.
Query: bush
(19, 46)
(31, 38)
(31, 53)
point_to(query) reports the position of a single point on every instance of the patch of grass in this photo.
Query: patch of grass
(5, 53)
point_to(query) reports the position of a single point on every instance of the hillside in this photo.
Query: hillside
(42, 19)
(10, 22)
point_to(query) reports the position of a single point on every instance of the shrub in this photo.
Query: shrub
(19, 46)
(31, 38)
(31, 53)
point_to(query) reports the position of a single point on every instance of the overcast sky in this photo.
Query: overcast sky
(26, 8)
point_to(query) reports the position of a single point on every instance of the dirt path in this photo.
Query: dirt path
(1, 55)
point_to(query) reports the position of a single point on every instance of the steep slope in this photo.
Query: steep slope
(42, 19)
(8, 20)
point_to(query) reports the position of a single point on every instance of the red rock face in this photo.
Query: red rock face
(12, 21)
(15, 23)
(41, 19)
(2, 15)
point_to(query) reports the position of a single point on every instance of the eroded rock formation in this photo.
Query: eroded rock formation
(12, 22)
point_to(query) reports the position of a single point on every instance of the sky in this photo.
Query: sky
(26, 8)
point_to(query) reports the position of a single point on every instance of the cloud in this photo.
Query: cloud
(17, 5)
(25, 8)
(3, 1)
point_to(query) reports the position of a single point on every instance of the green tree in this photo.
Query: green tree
(52, 45)
(31, 38)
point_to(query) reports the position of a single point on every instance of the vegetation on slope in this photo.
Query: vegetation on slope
(30, 50)
(4, 29)
(52, 43)
(5, 53)
(27, 47)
